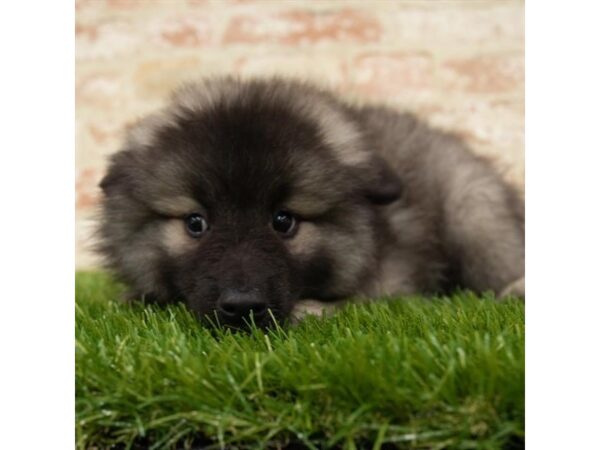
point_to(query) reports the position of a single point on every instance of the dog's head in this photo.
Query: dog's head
(242, 197)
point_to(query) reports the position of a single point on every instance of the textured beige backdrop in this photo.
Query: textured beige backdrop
(459, 64)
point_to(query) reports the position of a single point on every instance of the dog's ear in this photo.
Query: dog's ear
(111, 182)
(385, 185)
(116, 179)
(122, 164)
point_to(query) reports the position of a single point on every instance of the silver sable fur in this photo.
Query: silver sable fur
(243, 196)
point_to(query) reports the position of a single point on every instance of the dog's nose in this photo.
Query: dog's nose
(237, 305)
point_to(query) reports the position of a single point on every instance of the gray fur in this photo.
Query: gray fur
(457, 211)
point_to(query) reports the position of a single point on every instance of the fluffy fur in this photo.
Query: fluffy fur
(385, 204)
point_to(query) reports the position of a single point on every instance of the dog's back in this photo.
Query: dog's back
(458, 224)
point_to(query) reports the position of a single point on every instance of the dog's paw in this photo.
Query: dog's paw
(514, 289)
(306, 307)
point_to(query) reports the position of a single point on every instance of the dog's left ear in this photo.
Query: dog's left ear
(385, 185)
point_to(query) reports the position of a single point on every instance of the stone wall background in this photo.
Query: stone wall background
(459, 64)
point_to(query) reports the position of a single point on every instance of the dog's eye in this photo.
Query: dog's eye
(196, 224)
(284, 222)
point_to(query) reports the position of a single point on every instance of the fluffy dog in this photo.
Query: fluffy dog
(247, 198)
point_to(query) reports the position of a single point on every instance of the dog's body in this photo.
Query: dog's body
(242, 196)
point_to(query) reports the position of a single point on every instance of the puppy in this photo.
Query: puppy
(245, 199)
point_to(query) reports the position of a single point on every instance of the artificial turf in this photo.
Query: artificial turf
(410, 373)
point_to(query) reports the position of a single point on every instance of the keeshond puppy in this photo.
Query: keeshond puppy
(247, 199)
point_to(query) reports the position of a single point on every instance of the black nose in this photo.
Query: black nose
(236, 305)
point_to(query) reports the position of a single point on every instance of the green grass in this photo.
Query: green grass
(443, 373)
